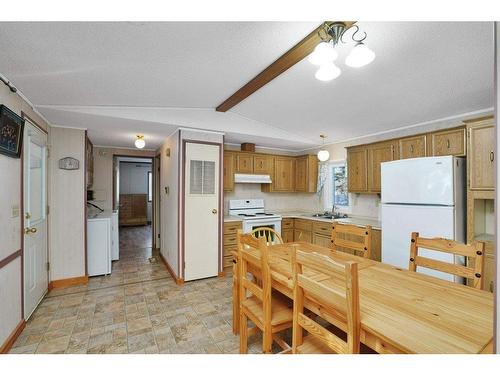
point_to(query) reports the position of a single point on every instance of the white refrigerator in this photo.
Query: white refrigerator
(425, 195)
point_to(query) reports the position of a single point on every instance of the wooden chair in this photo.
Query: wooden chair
(272, 237)
(362, 241)
(343, 300)
(268, 312)
(473, 252)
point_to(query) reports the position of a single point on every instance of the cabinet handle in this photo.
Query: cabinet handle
(492, 288)
(492, 156)
(448, 143)
(411, 149)
(392, 151)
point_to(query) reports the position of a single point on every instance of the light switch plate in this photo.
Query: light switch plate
(14, 211)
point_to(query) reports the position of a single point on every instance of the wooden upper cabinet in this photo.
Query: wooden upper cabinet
(228, 171)
(481, 156)
(306, 174)
(89, 157)
(262, 164)
(448, 142)
(357, 170)
(244, 163)
(377, 154)
(284, 174)
(412, 147)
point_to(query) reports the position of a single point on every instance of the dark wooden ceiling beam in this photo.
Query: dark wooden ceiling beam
(285, 62)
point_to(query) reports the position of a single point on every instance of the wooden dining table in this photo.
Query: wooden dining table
(400, 311)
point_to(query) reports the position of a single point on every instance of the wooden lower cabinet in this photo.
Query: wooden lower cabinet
(230, 229)
(319, 233)
(302, 235)
(321, 239)
(287, 235)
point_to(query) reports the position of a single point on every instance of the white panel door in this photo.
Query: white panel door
(201, 216)
(35, 217)
(419, 181)
(399, 221)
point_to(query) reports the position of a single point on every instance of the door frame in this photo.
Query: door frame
(22, 219)
(114, 197)
(182, 199)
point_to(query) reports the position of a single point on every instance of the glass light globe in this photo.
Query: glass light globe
(139, 142)
(360, 56)
(323, 155)
(322, 54)
(327, 72)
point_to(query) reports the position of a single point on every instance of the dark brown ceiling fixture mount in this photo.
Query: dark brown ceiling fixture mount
(285, 62)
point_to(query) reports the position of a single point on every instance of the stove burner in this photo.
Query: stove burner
(264, 213)
(246, 215)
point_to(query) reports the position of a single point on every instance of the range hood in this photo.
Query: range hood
(241, 178)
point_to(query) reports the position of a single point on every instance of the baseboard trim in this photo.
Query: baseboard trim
(7, 345)
(63, 283)
(178, 280)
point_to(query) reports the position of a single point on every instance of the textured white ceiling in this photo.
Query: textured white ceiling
(120, 79)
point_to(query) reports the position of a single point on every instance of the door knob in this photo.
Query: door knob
(29, 230)
(214, 211)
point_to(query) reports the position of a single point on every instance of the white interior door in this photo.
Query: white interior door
(35, 217)
(201, 218)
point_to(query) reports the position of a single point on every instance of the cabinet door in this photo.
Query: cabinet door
(262, 164)
(481, 158)
(378, 154)
(302, 235)
(321, 240)
(228, 171)
(284, 168)
(244, 163)
(301, 174)
(287, 235)
(412, 147)
(357, 164)
(449, 142)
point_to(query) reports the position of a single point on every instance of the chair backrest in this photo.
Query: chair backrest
(352, 237)
(253, 251)
(338, 298)
(272, 237)
(474, 252)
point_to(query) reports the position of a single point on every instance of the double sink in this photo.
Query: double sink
(329, 215)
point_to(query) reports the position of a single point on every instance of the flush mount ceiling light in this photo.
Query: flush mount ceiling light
(323, 155)
(139, 142)
(324, 54)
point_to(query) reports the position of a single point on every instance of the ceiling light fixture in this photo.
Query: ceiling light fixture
(325, 53)
(323, 155)
(139, 142)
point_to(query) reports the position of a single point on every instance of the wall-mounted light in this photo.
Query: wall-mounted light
(139, 142)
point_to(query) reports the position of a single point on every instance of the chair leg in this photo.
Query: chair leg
(243, 333)
(267, 342)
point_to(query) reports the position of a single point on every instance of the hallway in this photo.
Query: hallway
(136, 309)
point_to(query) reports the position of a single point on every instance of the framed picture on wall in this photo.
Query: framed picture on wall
(11, 132)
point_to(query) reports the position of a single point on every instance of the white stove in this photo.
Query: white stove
(253, 214)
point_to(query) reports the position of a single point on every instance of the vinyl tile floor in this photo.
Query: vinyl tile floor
(136, 309)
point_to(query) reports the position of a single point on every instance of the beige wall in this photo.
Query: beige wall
(169, 201)
(10, 227)
(67, 205)
(103, 172)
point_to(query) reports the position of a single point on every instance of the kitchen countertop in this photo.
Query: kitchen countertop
(355, 220)
(97, 215)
